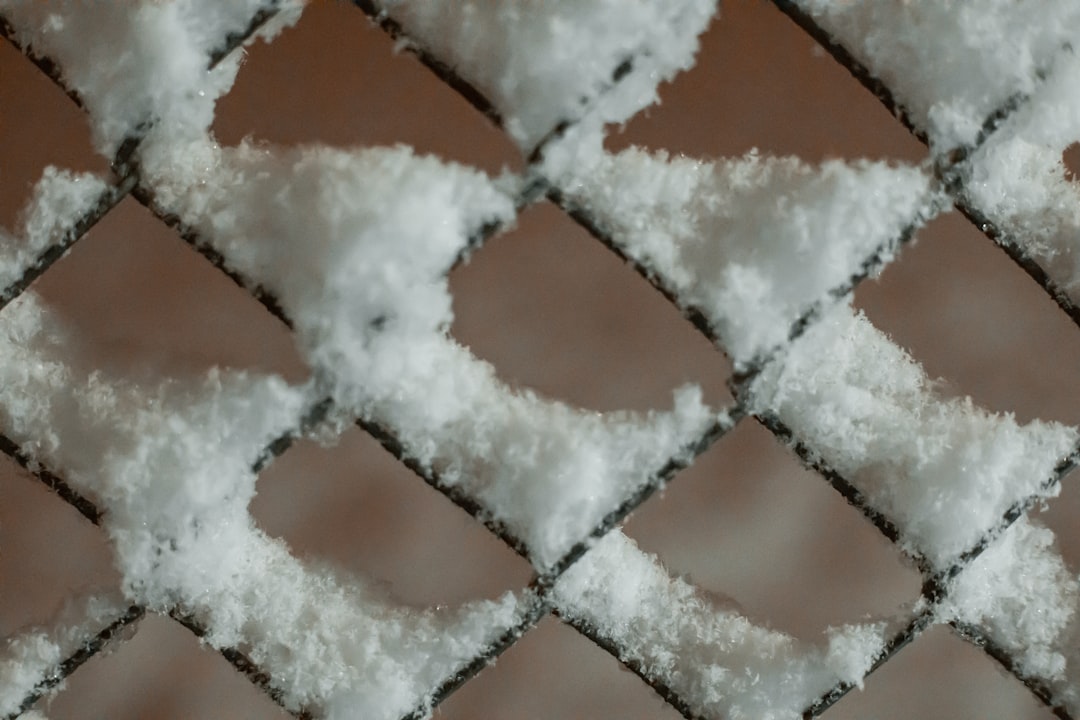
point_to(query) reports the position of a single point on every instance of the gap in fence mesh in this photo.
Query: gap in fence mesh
(336, 79)
(145, 305)
(1017, 353)
(761, 82)
(49, 553)
(359, 509)
(940, 676)
(554, 672)
(163, 672)
(556, 312)
(39, 126)
(754, 528)
(1060, 515)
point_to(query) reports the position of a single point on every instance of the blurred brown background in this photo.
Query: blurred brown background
(553, 311)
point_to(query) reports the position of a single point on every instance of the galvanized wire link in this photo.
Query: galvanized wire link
(949, 178)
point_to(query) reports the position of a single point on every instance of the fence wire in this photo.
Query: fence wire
(948, 178)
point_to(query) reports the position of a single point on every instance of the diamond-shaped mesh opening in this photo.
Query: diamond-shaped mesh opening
(162, 671)
(1071, 159)
(1014, 355)
(144, 301)
(1059, 514)
(940, 675)
(748, 523)
(759, 82)
(48, 552)
(554, 311)
(555, 672)
(356, 506)
(337, 79)
(39, 127)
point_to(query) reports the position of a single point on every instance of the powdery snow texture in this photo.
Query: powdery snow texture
(716, 660)
(142, 67)
(1021, 594)
(924, 460)
(951, 64)
(33, 655)
(753, 243)
(542, 63)
(171, 467)
(1018, 179)
(59, 199)
(356, 246)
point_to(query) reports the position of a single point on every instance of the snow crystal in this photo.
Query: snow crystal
(171, 467)
(942, 469)
(755, 242)
(713, 658)
(59, 199)
(1018, 180)
(951, 64)
(543, 63)
(32, 656)
(1021, 594)
(356, 246)
(141, 66)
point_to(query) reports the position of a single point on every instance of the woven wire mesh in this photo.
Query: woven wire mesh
(933, 583)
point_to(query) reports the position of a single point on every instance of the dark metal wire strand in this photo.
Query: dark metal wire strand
(87, 650)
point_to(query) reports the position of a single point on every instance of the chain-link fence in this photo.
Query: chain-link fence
(775, 556)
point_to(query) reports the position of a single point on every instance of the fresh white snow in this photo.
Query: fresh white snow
(753, 242)
(1020, 592)
(541, 63)
(1018, 179)
(715, 659)
(141, 66)
(33, 655)
(356, 245)
(59, 199)
(943, 469)
(951, 63)
(171, 467)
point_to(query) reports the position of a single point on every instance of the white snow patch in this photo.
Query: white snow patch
(942, 469)
(540, 63)
(1020, 592)
(142, 65)
(951, 64)
(171, 466)
(1018, 180)
(753, 242)
(717, 661)
(31, 656)
(59, 199)
(356, 245)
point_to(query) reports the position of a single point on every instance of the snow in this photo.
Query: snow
(951, 64)
(33, 655)
(541, 63)
(141, 66)
(754, 242)
(715, 659)
(59, 199)
(356, 246)
(170, 464)
(1022, 595)
(1018, 179)
(941, 468)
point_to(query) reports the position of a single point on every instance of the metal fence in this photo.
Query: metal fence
(950, 176)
